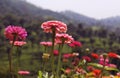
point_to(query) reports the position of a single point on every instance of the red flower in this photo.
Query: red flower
(88, 59)
(112, 55)
(17, 32)
(94, 55)
(23, 72)
(75, 44)
(58, 25)
(96, 72)
(56, 53)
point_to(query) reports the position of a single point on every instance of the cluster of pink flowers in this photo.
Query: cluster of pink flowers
(63, 37)
(105, 62)
(18, 43)
(57, 25)
(16, 32)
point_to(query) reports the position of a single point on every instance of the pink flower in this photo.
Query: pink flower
(112, 65)
(49, 25)
(17, 32)
(68, 71)
(75, 44)
(23, 72)
(68, 55)
(102, 62)
(56, 53)
(118, 74)
(46, 43)
(63, 37)
(88, 59)
(18, 43)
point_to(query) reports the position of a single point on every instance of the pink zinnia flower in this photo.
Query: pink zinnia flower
(102, 62)
(75, 44)
(57, 25)
(63, 37)
(112, 65)
(46, 43)
(17, 32)
(18, 43)
(68, 55)
(118, 74)
(68, 71)
(23, 72)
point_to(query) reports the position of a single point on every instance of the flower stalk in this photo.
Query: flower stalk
(59, 58)
(52, 55)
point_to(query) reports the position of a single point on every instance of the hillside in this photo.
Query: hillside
(23, 8)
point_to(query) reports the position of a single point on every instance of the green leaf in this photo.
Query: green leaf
(39, 74)
(96, 65)
(111, 68)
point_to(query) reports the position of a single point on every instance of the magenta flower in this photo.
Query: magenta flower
(23, 72)
(17, 32)
(75, 44)
(56, 52)
(49, 25)
(102, 62)
(18, 43)
(63, 37)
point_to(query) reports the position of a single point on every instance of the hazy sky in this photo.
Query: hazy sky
(93, 8)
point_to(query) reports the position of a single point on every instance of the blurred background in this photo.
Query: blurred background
(96, 24)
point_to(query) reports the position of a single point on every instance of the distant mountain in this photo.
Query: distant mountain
(80, 18)
(21, 7)
(112, 21)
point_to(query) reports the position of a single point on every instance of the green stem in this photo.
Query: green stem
(52, 56)
(18, 59)
(44, 60)
(59, 59)
(10, 59)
